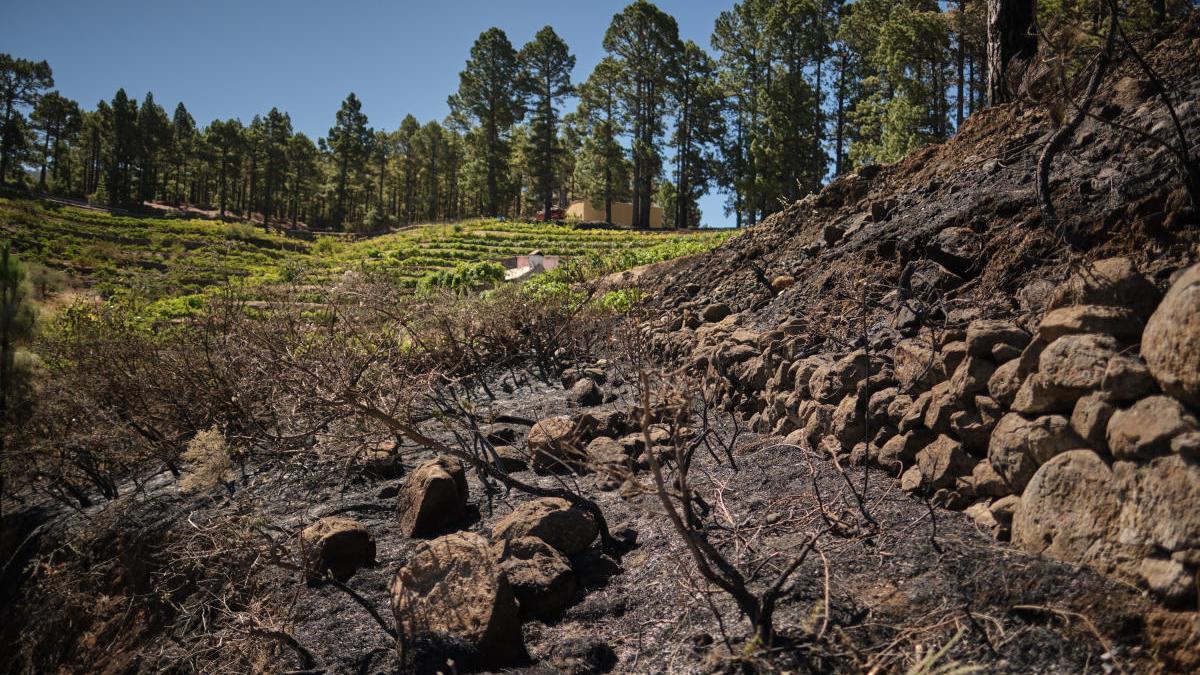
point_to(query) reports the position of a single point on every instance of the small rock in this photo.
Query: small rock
(581, 656)
(986, 482)
(567, 528)
(941, 462)
(901, 451)
(433, 498)
(1168, 579)
(335, 545)
(511, 459)
(970, 378)
(585, 392)
(782, 282)
(540, 576)
(1005, 382)
(500, 434)
(953, 354)
(715, 312)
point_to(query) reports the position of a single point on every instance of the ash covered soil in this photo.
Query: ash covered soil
(885, 590)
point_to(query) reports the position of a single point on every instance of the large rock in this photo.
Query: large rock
(1069, 368)
(454, 586)
(1090, 420)
(434, 498)
(971, 377)
(552, 446)
(984, 335)
(1158, 503)
(1128, 379)
(900, 451)
(1118, 322)
(1169, 579)
(1020, 445)
(942, 407)
(941, 462)
(1171, 342)
(567, 528)
(1147, 428)
(540, 576)
(830, 382)
(1113, 282)
(1006, 381)
(803, 371)
(337, 546)
(1068, 510)
(917, 366)
(849, 422)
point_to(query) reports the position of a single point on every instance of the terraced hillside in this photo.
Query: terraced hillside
(174, 262)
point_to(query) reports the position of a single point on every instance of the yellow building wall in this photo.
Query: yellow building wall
(622, 213)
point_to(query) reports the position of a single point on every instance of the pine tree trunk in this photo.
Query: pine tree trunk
(1010, 37)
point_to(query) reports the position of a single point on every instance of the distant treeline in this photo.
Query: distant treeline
(793, 92)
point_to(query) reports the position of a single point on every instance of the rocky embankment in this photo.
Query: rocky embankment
(1073, 434)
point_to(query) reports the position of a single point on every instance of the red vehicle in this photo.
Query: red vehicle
(555, 214)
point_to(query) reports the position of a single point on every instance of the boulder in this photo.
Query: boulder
(917, 366)
(942, 406)
(1069, 368)
(983, 335)
(1171, 342)
(1020, 445)
(914, 418)
(337, 546)
(970, 378)
(802, 372)
(782, 282)
(552, 446)
(454, 586)
(1090, 420)
(848, 421)
(1068, 510)
(567, 528)
(1005, 382)
(901, 451)
(830, 382)
(1146, 429)
(1113, 282)
(941, 462)
(434, 498)
(541, 577)
(953, 354)
(898, 408)
(580, 656)
(715, 312)
(1158, 503)
(986, 482)
(1128, 379)
(1118, 322)
(586, 392)
(608, 457)
(971, 427)
(382, 463)
(957, 248)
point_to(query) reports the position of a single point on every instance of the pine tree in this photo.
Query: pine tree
(122, 144)
(348, 141)
(225, 138)
(545, 79)
(644, 41)
(487, 96)
(154, 139)
(604, 165)
(698, 126)
(183, 145)
(277, 131)
(59, 120)
(21, 85)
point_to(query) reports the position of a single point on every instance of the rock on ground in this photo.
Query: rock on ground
(1171, 343)
(335, 545)
(454, 585)
(434, 498)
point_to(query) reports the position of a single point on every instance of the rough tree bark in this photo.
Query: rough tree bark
(1010, 37)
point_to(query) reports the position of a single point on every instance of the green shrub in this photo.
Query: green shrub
(619, 301)
(464, 278)
(241, 232)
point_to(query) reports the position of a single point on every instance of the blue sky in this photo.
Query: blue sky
(235, 59)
